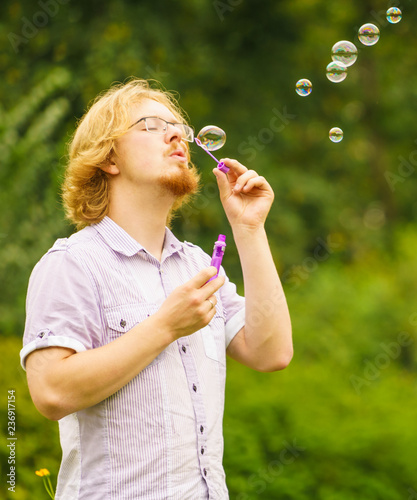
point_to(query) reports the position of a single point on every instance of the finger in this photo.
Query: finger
(258, 182)
(243, 179)
(235, 166)
(210, 314)
(235, 169)
(212, 301)
(202, 277)
(223, 183)
(212, 286)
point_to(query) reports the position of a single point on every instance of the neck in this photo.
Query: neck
(143, 216)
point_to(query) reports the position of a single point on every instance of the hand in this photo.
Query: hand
(246, 196)
(188, 308)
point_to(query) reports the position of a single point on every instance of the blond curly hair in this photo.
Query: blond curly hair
(85, 190)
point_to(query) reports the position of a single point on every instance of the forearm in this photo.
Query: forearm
(267, 331)
(84, 379)
(62, 382)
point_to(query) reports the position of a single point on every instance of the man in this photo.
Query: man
(126, 337)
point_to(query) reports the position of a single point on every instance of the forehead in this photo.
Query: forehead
(149, 107)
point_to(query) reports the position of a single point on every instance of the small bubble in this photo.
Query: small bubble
(345, 52)
(336, 71)
(303, 87)
(394, 15)
(212, 137)
(368, 34)
(336, 134)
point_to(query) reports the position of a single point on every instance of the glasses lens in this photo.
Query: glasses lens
(159, 126)
(186, 132)
(155, 125)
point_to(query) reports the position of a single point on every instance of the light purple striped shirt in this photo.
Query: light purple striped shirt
(160, 436)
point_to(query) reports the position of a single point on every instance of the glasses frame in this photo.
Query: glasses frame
(183, 126)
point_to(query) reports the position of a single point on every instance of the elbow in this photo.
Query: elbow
(51, 407)
(284, 360)
(280, 362)
(54, 414)
(46, 385)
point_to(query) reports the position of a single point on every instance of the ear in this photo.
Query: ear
(110, 166)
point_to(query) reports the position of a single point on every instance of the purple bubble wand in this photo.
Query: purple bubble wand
(220, 164)
(218, 252)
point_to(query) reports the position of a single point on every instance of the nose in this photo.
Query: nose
(173, 133)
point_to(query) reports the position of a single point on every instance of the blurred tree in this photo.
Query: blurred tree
(29, 180)
(341, 228)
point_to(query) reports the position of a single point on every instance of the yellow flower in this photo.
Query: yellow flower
(42, 472)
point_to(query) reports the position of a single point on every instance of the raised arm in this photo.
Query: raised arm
(265, 342)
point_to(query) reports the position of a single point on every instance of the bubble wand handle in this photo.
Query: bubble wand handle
(218, 252)
(220, 165)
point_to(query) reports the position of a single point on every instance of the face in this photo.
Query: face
(148, 160)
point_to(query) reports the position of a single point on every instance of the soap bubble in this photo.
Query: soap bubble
(344, 52)
(336, 71)
(212, 137)
(336, 134)
(303, 87)
(394, 15)
(368, 34)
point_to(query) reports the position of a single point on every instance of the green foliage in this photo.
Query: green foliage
(37, 444)
(29, 178)
(345, 403)
(341, 229)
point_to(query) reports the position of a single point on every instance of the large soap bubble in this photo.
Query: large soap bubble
(345, 52)
(368, 34)
(212, 137)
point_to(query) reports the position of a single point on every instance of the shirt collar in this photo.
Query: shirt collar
(171, 243)
(120, 241)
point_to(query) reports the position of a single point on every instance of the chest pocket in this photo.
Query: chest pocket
(121, 319)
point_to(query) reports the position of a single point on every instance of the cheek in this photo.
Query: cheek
(129, 151)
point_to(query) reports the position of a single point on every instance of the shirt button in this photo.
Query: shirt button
(122, 323)
(201, 429)
(202, 450)
(184, 348)
(205, 472)
(194, 388)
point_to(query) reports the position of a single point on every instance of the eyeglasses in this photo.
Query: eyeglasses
(157, 125)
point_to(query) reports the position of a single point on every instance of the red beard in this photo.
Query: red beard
(181, 182)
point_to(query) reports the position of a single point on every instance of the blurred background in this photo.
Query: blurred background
(340, 421)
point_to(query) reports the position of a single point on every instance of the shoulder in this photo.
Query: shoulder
(64, 254)
(81, 239)
(72, 246)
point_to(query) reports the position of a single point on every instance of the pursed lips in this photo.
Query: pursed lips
(179, 154)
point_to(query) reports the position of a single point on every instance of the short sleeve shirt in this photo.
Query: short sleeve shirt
(160, 436)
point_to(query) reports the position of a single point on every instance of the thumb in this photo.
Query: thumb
(222, 183)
